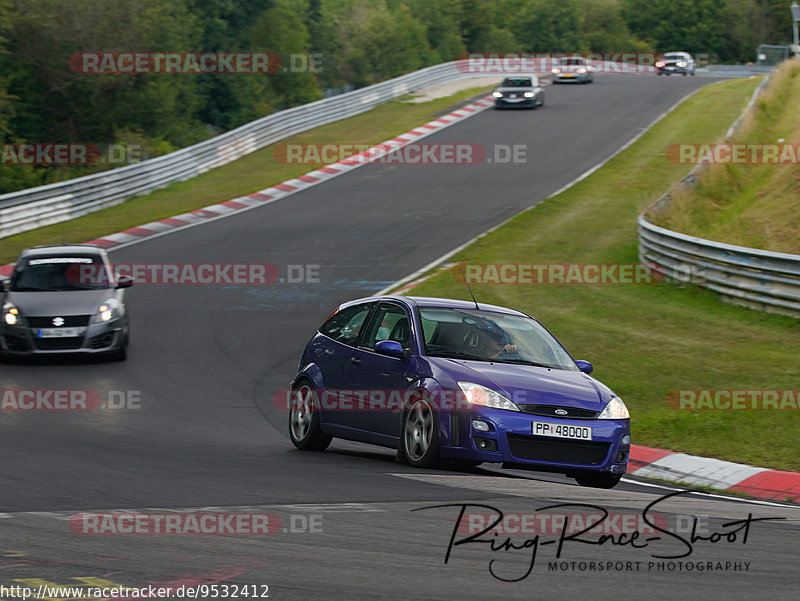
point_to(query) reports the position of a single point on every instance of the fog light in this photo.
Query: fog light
(486, 444)
(480, 426)
(625, 440)
(621, 457)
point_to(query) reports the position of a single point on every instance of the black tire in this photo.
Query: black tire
(304, 430)
(598, 479)
(419, 437)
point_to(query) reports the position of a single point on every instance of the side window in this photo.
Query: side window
(345, 325)
(389, 322)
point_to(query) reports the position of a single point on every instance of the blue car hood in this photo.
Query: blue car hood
(526, 384)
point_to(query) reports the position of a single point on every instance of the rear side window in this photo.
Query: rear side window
(345, 325)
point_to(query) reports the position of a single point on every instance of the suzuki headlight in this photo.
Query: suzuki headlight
(581, 70)
(615, 409)
(108, 310)
(497, 94)
(529, 94)
(556, 70)
(682, 64)
(660, 64)
(485, 397)
(11, 314)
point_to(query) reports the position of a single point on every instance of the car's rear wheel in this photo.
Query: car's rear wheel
(420, 436)
(304, 429)
(598, 479)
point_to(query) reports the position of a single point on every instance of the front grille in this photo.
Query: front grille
(538, 448)
(58, 344)
(70, 321)
(550, 411)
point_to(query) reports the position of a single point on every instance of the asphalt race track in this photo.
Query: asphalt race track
(202, 433)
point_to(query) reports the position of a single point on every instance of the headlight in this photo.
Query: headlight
(107, 311)
(11, 314)
(581, 70)
(682, 64)
(660, 64)
(480, 395)
(497, 94)
(556, 70)
(615, 409)
(528, 94)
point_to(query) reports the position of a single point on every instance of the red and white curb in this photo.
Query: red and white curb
(721, 475)
(282, 190)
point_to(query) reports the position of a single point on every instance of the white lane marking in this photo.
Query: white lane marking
(435, 263)
(333, 507)
(710, 494)
(299, 507)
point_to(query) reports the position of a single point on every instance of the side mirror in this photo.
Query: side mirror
(124, 281)
(390, 348)
(584, 366)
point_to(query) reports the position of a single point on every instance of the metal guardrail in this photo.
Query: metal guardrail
(44, 205)
(759, 279)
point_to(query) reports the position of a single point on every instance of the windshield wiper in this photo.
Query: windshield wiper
(458, 355)
(526, 362)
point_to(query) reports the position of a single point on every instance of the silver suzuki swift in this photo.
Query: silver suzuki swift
(64, 299)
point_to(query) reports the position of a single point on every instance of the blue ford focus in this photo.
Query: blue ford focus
(440, 379)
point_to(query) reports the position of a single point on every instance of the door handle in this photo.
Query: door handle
(355, 361)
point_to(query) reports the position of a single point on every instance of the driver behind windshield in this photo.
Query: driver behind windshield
(496, 344)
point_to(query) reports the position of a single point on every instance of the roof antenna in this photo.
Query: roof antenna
(468, 288)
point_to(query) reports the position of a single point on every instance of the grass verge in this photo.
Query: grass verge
(249, 174)
(755, 205)
(646, 340)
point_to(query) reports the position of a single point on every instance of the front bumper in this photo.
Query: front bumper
(571, 77)
(510, 441)
(673, 70)
(515, 102)
(21, 340)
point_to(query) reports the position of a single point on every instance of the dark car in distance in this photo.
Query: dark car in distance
(522, 91)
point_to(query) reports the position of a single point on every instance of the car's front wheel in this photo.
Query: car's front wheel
(598, 479)
(420, 438)
(304, 429)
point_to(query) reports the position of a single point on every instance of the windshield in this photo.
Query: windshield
(490, 336)
(674, 57)
(572, 62)
(60, 273)
(516, 82)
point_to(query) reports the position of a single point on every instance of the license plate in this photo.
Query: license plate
(59, 332)
(561, 431)
(568, 75)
